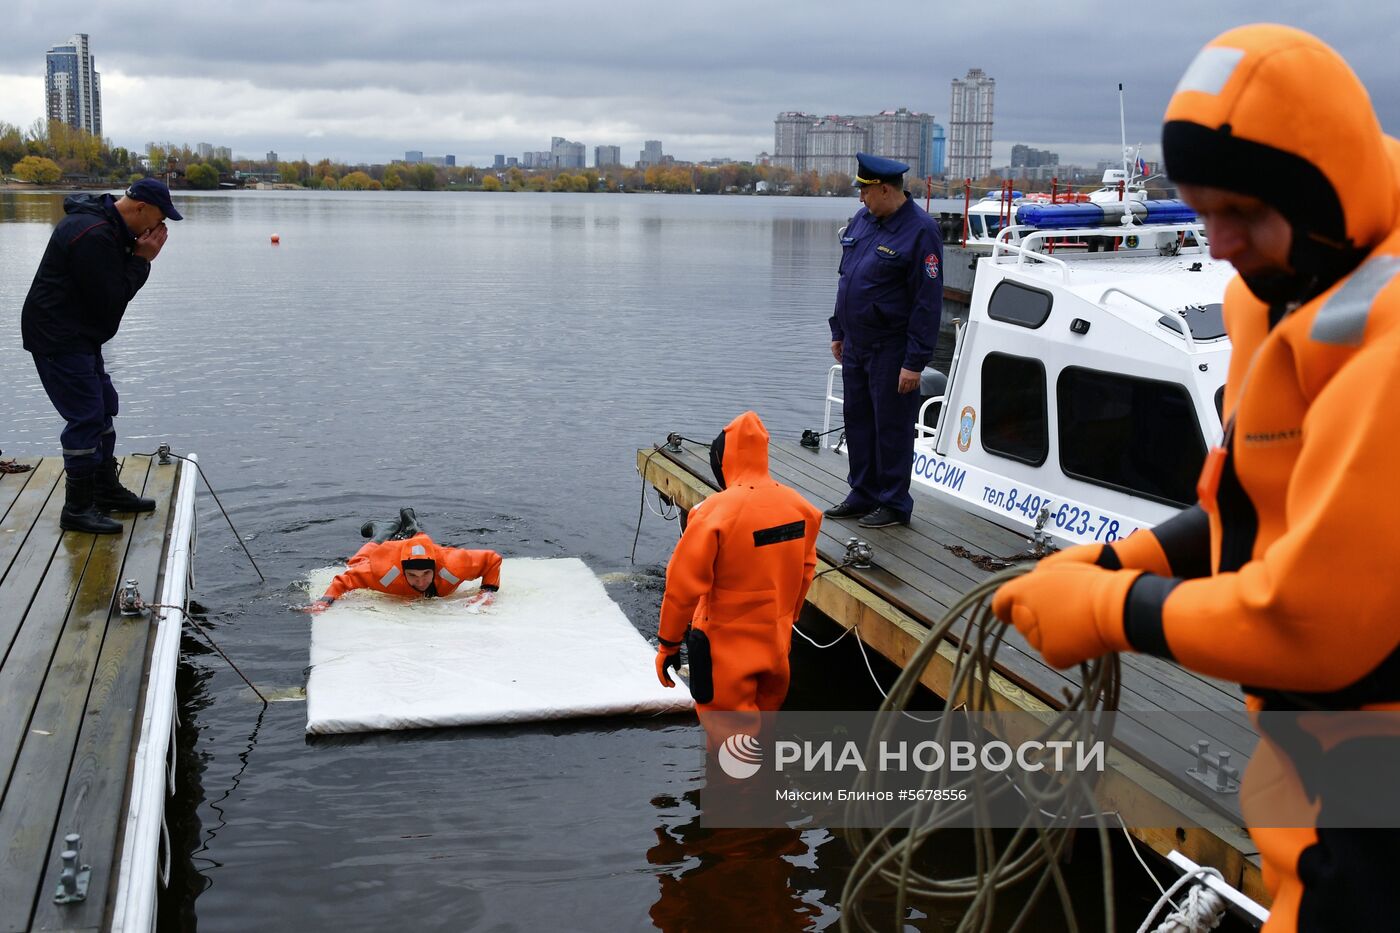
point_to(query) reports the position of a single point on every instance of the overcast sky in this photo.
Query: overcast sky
(365, 81)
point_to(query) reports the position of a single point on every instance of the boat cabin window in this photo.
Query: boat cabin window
(1014, 303)
(1015, 419)
(1139, 436)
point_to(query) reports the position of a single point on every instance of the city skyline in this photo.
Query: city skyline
(478, 79)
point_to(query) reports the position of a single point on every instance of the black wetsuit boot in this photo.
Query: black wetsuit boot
(79, 513)
(401, 530)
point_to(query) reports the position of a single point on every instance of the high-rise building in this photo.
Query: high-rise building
(204, 150)
(73, 88)
(790, 138)
(564, 153)
(607, 155)
(905, 136)
(271, 157)
(938, 150)
(804, 143)
(832, 145)
(413, 156)
(223, 152)
(970, 125)
(1023, 156)
(650, 155)
(499, 162)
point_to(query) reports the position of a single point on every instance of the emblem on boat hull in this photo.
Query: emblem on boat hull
(965, 422)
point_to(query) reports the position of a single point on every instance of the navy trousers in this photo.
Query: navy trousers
(879, 425)
(80, 390)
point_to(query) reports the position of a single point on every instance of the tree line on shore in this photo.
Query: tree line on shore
(51, 152)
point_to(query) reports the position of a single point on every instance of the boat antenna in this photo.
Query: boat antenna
(1123, 129)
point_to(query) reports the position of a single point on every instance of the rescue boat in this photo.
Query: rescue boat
(1084, 388)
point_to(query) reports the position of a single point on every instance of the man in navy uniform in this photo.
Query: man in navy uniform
(889, 298)
(97, 259)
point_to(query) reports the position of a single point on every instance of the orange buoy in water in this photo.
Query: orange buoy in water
(276, 239)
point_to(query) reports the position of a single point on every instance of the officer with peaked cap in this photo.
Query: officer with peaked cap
(889, 298)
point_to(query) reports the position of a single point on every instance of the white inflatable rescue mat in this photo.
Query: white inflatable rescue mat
(552, 646)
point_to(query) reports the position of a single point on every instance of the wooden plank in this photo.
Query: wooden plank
(74, 601)
(829, 471)
(11, 484)
(39, 589)
(94, 803)
(20, 520)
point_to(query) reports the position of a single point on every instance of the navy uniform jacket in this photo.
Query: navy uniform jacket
(891, 283)
(85, 280)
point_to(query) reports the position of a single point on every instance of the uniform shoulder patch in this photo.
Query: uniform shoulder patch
(931, 265)
(792, 531)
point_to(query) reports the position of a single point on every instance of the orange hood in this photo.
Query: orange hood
(1275, 113)
(418, 547)
(739, 453)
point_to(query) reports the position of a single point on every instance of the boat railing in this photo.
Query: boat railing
(1153, 326)
(921, 430)
(831, 397)
(1003, 249)
(1029, 240)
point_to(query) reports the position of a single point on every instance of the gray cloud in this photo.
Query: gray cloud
(476, 78)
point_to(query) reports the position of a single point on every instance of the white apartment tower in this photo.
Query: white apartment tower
(72, 86)
(970, 125)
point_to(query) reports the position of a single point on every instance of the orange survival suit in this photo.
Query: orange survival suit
(1283, 577)
(740, 574)
(380, 567)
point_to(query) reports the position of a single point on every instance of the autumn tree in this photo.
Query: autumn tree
(11, 146)
(356, 181)
(425, 177)
(38, 170)
(202, 176)
(490, 183)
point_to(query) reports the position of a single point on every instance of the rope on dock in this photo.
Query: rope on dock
(889, 864)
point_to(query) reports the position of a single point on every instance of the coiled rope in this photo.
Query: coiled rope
(888, 866)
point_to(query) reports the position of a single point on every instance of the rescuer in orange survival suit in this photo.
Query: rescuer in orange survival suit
(403, 561)
(1282, 578)
(740, 575)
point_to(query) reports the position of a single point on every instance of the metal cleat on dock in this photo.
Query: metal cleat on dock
(73, 880)
(859, 554)
(129, 601)
(1215, 771)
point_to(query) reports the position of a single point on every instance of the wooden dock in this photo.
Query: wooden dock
(914, 581)
(80, 734)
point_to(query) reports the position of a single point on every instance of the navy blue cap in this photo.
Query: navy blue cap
(154, 192)
(875, 170)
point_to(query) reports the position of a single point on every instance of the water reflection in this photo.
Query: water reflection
(31, 208)
(725, 879)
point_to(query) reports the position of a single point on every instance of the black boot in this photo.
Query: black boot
(408, 525)
(111, 496)
(379, 532)
(79, 513)
(401, 530)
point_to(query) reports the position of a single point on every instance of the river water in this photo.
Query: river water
(493, 360)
